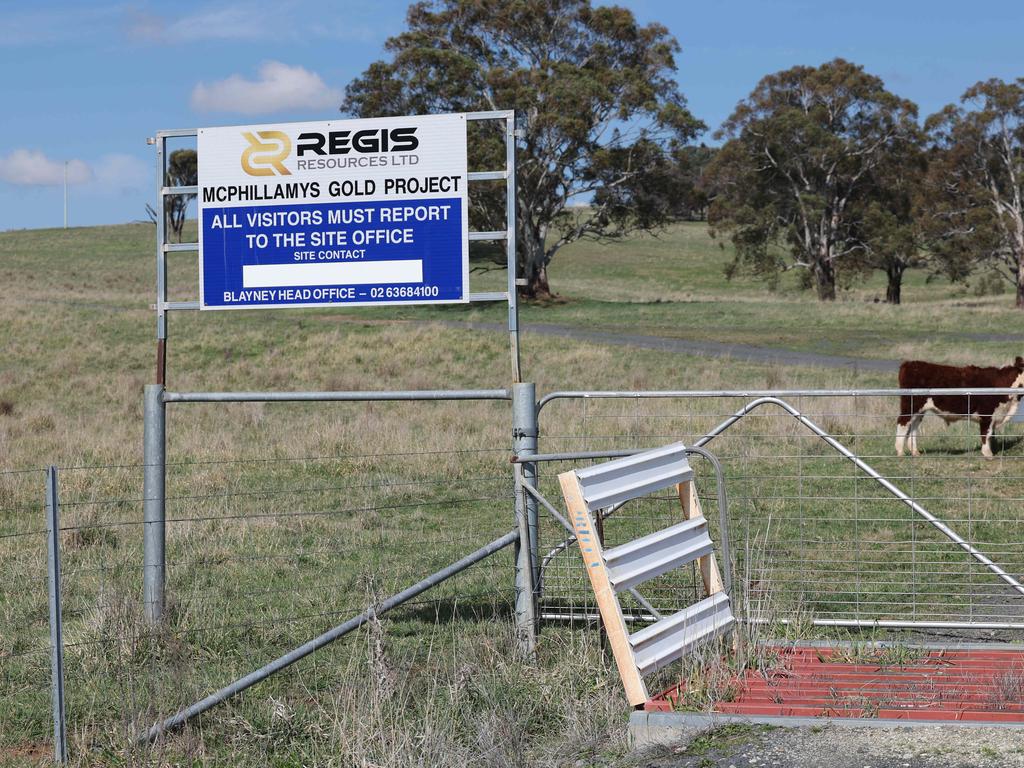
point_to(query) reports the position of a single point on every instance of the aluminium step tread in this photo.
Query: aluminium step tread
(631, 477)
(672, 637)
(657, 553)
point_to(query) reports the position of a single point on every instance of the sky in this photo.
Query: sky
(85, 83)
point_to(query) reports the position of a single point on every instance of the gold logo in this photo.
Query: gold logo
(270, 152)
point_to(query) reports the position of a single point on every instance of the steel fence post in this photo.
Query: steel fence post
(154, 473)
(524, 442)
(60, 746)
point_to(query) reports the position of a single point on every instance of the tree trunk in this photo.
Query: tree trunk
(894, 270)
(538, 287)
(1017, 267)
(825, 280)
(534, 266)
(1020, 265)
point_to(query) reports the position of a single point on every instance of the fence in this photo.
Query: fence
(817, 538)
(263, 554)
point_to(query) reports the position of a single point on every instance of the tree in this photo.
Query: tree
(975, 210)
(886, 221)
(181, 172)
(595, 92)
(692, 163)
(801, 153)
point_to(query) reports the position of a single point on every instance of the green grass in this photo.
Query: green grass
(288, 518)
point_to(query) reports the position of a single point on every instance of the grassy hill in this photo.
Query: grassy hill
(288, 518)
(77, 328)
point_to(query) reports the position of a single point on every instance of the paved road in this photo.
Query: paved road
(746, 352)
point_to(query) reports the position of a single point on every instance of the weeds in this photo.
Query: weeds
(883, 655)
(1009, 689)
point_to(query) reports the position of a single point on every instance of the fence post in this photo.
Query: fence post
(60, 746)
(524, 443)
(154, 534)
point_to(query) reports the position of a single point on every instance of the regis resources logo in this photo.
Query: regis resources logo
(266, 154)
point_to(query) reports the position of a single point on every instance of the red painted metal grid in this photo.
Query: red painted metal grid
(967, 685)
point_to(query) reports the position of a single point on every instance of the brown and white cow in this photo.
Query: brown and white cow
(989, 411)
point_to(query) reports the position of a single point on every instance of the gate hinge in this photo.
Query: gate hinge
(518, 432)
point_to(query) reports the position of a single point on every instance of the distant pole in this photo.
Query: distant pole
(65, 194)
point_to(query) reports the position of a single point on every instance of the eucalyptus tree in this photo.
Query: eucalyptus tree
(886, 221)
(601, 113)
(974, 211)
(799, 169)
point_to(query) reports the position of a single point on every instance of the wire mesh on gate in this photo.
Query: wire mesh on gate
(262, 555)
(813, 536)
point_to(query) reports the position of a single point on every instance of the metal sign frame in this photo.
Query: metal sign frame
(507, 174)
(155, 397)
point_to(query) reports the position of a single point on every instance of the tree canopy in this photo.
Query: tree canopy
(794, 183)
(974, 210)
(603, 117)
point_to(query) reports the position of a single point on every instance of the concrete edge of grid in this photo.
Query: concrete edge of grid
(648, 729)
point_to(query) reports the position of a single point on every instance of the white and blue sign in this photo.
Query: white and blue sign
(339, 213)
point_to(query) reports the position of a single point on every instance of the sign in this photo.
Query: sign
(336, 213)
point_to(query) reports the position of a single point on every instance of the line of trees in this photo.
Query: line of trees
(825, 170)
(822, 169)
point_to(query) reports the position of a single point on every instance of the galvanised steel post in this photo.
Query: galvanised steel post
(524, 442)
(527, 446)
(154, 528)
(60, 744)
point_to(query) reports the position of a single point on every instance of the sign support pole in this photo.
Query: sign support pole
(154, 476)
(510, 244)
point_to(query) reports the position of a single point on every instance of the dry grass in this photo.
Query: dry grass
(288, 518)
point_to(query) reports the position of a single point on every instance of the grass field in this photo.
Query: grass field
(288, 518)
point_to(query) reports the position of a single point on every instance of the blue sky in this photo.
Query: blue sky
(86, 83)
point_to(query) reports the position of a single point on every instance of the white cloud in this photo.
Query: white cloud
(278, 87)
(28, 167)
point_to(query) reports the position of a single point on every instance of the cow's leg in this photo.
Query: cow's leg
(912, 430)
(902, 428)
(987, 431)
(903, 422)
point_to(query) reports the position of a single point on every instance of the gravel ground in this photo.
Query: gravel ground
(831, 747)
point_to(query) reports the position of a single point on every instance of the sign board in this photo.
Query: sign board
(335, 213)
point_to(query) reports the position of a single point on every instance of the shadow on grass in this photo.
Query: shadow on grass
(1000, 444)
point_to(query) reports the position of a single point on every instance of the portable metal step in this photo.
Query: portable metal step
(635, 562)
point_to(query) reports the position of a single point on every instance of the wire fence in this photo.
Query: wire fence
(24, 627)
(815, 538)
(262, 555)
(267, 552)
